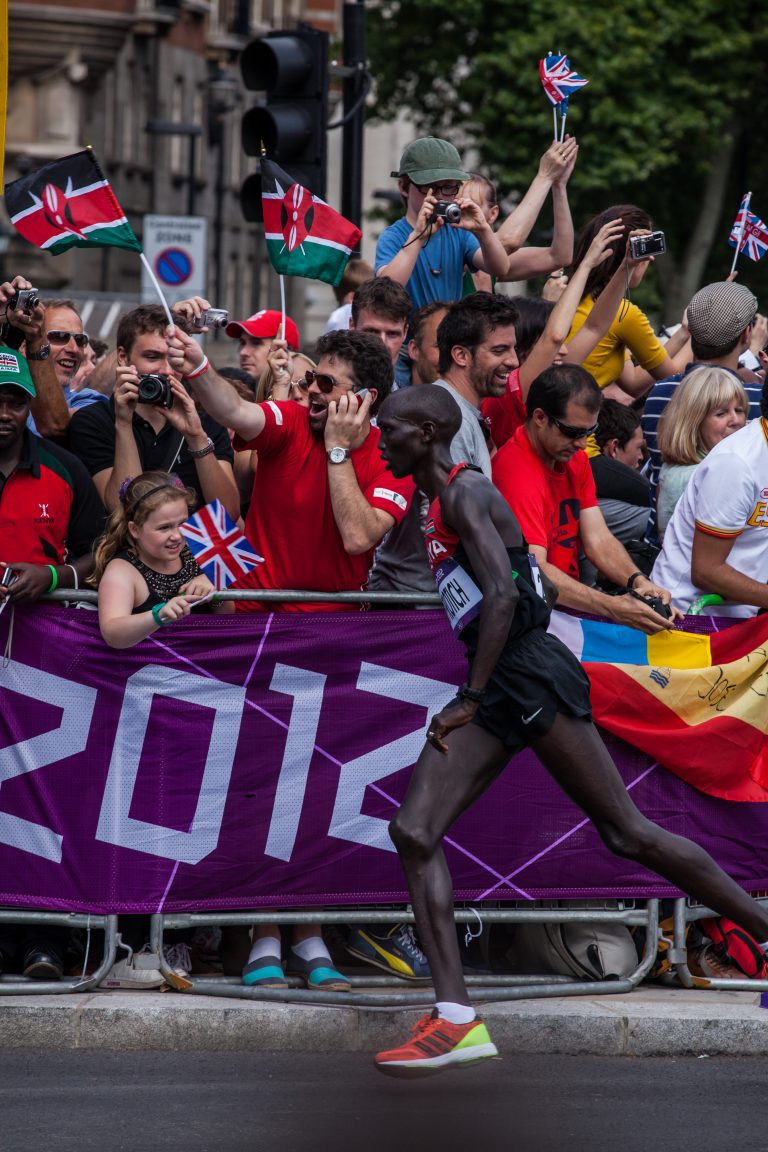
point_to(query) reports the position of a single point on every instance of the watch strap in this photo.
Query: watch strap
(41, 354)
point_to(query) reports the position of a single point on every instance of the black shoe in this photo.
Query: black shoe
(43, 966)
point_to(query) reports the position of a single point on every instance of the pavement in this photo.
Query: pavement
(650, 1021)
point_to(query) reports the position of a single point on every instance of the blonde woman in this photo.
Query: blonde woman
(708, 405)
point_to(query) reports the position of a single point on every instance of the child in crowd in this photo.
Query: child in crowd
(146, 575)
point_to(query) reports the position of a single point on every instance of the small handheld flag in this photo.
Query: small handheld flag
(69, 203)
(749, 234)
(560, 82)
(219, 546)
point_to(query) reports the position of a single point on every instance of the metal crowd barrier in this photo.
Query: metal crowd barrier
(687, 912)
(484, 988)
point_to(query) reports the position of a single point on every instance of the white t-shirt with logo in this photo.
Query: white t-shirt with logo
(727, 497)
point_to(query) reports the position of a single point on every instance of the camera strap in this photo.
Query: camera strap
(172, 455)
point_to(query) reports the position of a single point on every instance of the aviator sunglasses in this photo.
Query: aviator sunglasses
(80, 338)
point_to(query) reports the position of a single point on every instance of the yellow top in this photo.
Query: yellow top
(630, 332)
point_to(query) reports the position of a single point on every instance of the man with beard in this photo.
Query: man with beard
(322, 498)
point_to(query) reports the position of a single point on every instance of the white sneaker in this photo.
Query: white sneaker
(137, 971)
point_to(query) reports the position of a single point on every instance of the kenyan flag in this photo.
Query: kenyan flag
(305, 236)
(67, 204)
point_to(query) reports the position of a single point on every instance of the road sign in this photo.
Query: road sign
(176, 249)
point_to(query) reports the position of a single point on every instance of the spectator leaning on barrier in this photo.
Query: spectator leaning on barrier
(544, 475)
(50, 516)
(127, 436)
(717, 539)
(424, 252)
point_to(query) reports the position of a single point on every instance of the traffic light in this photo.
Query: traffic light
(290, 126)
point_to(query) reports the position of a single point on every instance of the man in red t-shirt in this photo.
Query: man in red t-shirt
(545, 477)
(322, 497)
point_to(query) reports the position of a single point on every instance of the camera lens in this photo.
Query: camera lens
(151, 389)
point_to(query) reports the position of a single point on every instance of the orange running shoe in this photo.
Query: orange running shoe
(436, 1045)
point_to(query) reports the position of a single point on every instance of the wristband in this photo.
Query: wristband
(631, 579)
(156, 614)
(476, 695)
(202, 367)
(210, 447)
(54, 578)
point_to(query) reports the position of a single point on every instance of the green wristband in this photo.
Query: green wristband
(156, 614)
(54, 578)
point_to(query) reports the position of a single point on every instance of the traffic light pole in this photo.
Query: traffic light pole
(353, 90)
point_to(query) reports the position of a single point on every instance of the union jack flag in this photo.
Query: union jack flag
(558, 79)
(219, 547)
(754, 237)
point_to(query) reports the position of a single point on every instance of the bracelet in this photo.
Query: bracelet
(202, 367)
(476, 695)
(157, 609)
(54, 578)
(210, 447)
(631, 579)
(74, 575)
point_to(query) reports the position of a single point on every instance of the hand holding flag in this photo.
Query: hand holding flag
(560, 82)
(749, 234)
(219, 546)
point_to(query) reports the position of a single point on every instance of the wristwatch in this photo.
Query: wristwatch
(41, 354)
(338, 455)
(476, 695)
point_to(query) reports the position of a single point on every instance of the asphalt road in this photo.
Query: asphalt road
(229, 1102)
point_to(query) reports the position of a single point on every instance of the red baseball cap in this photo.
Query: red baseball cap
(265, 324)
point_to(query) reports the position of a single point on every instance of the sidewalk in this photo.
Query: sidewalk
(649, 1022)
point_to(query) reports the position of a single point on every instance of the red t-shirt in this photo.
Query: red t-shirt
(504, 414)
(290, 520)
(547, 502)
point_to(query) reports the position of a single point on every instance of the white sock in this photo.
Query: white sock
(312, 949)
(455, 1013)
(264, 946)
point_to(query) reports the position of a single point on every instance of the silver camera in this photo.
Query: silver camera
(212, 318)
(447, 210)
(25, 300)
(652, 244)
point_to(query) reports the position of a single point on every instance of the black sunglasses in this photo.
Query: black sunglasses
(569, 430)
(325, 383)
(80, 338)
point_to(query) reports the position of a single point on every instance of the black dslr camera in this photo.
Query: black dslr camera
(446, 210)
(652, 244)
(25, 300)
(212, 318)
(155, 389)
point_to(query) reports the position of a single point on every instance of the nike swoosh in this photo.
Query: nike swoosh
(533, 715)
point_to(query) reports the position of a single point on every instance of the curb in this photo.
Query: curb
(650, 1022)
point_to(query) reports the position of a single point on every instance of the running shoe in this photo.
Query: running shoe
(394, 951)
(436, 1046)
(707, 962)
(736, 946)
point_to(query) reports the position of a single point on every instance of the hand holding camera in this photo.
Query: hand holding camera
(647, 244)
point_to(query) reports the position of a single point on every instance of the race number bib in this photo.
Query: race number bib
(461, 597)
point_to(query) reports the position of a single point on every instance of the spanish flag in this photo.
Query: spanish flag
(696, 701)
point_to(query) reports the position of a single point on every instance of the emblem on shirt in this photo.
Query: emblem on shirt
(45, 516)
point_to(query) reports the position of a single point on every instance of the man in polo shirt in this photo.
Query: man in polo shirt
(50, 516)
(256, 335)
(544, 475)
(125, 437)
(717, 539)
(720, 318)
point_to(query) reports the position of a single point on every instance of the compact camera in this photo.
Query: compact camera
(446, 210)
(212, 318)
(155, 388)
(7, 578)
(652, 244)
(25, 300)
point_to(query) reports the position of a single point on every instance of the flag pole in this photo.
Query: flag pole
(158, 289)
(282, 303)
(554, 121)
(740, 237)
(562, 124)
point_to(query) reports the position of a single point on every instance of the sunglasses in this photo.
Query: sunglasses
(325, 383)
(80, 338)
(446, 189)
(569, 430)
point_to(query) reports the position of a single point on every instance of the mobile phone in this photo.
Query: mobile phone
(361, 394)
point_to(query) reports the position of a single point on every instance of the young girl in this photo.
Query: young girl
(146, 575)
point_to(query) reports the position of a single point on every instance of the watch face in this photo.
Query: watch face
(337, 455)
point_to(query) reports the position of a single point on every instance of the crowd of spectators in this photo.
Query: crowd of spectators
(636, 468)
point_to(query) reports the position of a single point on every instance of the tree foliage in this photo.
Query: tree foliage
(676, 98)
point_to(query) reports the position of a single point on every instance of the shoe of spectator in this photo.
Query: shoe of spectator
(179, 958)
(266, 972)
(736, 946)
(437, 1045)
(708, 962)
(139, 971)
(394, 951)
(40, 965)
(318, 975)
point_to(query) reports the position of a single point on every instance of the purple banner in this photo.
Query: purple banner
(246, 762)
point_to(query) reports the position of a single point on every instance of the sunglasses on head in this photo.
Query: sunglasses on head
(325, 383)
(569, 430)
(80, 338)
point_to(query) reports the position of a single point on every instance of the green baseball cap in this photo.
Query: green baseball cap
(15, 370)
(430, 160)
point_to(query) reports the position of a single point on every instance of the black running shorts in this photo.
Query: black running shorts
(533, 680)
